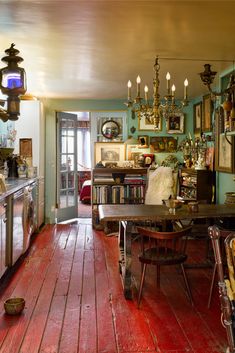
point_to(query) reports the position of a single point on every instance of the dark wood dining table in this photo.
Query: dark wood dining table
(128, 215)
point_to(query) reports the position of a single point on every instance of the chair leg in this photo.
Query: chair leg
(141, 284)
(211, 286)
(187, 284)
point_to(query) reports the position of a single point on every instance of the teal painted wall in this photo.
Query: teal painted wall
(224, 181)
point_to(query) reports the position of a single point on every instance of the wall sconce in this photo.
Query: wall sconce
(12, 84)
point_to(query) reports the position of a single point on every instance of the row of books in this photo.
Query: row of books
(116, 194)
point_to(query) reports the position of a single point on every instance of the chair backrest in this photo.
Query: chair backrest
(164, 235)
(175, 240)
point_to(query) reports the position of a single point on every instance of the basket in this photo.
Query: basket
(14, 306)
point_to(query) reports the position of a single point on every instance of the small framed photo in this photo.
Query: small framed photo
(146, 124)
(135, 157)
(197, 117)
(109, 152)
(143, 141)
(207, 113)
(175, 124)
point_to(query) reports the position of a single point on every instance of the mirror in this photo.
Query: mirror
(110, 129)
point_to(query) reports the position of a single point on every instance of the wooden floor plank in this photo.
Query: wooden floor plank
(105, 324)
(88, 323)
(75, 304)
(70, 330)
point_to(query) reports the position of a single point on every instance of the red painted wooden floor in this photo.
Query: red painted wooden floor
(74, 301)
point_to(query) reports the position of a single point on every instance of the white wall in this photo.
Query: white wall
(31, 125)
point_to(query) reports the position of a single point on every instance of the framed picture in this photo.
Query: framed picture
(135, 157)
(175, 124)
(224, 149)
(143, 141)
(109, 152)
(26, 147)
(197, 117)
(225, 154)
(146, 124)
(163, 144)
(207, 113)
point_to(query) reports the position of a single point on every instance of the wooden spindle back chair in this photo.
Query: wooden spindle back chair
(163, 249)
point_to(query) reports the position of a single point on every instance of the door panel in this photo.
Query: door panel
(67, 188)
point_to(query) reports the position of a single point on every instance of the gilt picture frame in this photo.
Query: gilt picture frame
(197, 117)
(206, 113)
(163, 144)
(144, 124)
(224, 151)
(26, 147)
(143, 141)
(175, 124)
(109, 152)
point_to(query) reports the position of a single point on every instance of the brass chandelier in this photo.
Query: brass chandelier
(157, 110)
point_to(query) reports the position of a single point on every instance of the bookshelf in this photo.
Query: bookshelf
(116, 186)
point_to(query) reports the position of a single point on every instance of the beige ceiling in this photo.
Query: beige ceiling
(90, 49)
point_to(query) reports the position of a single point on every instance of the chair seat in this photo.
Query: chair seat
(162, 256)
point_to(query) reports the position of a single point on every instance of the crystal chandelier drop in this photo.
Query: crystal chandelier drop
(157, 110)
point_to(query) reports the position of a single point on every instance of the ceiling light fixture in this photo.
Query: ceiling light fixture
(12, 84)
(153, 112)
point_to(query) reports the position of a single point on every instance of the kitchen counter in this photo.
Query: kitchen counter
(15, 184)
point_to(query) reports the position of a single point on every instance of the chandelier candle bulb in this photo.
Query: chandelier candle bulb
(138, 80)
(168, 77)
(185, 88)
(146, 92)
(129, 90)
(173, 90)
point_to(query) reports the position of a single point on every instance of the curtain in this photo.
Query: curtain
(83, 149)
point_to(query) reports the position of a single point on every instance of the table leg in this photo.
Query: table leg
(125, 257)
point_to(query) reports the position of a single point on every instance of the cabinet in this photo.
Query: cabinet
(196, 185)
(116, 186)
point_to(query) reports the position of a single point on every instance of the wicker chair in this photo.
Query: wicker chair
(163, 249)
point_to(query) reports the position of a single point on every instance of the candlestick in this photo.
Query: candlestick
(173, 90)
(138, 80)
(129, 90)
(185, 88)
(146, 92)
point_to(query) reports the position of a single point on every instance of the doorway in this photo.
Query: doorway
(73, 166)
(84, 164)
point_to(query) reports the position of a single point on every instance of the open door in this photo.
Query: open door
(66, 188)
